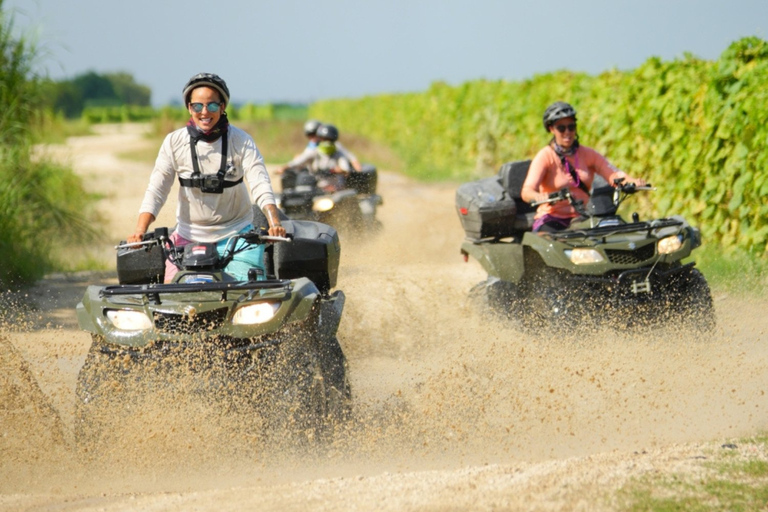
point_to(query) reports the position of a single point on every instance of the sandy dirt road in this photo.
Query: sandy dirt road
(455, 411)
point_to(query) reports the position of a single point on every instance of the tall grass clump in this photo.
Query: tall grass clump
(42, 205)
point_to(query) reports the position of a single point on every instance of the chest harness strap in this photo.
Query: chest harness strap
(571, 151)
(212, 184)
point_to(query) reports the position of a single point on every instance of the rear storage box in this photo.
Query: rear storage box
(143, 265)
(313, 253)
(485, 209)
(365, 181)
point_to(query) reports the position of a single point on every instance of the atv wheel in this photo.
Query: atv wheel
(104, 392)
(692, 302)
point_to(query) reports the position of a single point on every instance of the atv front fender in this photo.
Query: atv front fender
(500, 259)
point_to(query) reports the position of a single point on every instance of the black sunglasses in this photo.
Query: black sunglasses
(562, 127)
(212, 106)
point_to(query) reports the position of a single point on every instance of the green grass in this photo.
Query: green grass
(733, 271)
(732, 479)
(52, 129)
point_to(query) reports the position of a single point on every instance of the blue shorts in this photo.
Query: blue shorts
(252, 257)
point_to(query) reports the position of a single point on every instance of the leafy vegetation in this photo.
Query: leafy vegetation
(693, 128)
(42, 205)
(73, 98)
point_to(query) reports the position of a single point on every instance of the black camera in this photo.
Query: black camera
(212, 184)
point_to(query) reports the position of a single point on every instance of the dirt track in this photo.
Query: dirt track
(456, 411)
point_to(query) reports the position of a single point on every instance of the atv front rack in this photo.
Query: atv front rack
(153, 291)
(613, 230)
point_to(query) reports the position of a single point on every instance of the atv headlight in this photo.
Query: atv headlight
(584, 256)
(129, 320)
(669, 244)
(323, 204)
(255, 313)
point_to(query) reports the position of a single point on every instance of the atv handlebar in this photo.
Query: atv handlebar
(555, 197)
(161, 234)
(564, 194)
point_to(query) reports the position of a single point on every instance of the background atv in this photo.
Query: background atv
(353, 207)
(603, 269)
(264, 349)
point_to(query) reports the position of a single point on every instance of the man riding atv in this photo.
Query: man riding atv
(564, 163)
(325, 160)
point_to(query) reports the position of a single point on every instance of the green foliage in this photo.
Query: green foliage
(118, 114)
(42, 205)
(104, 93)
(17, 92)
(695, 129)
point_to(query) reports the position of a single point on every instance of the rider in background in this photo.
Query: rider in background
(564, 163)
(310, 131)
(210, 159)
(325, 161)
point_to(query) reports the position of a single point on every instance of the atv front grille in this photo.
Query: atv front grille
(173, 323)
(619, 257)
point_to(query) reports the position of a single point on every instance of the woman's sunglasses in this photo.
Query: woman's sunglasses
(560, 127)
(212, 106)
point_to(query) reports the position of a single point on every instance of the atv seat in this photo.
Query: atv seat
(512, 176)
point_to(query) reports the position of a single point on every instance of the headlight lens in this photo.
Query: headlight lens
(323, 204)
(255, 313)
(584, 256)
(669, 244)
(129, 320)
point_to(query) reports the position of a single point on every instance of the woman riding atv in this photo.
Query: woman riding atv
(325, 161)
(564, 163)
(210, 159)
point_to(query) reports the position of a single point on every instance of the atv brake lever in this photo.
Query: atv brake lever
(561, 195)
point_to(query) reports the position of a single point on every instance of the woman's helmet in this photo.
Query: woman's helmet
(311, 126)
(209, 80)
(556, 111)
(328, 132)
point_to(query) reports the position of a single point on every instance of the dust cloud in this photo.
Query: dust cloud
(437, 386)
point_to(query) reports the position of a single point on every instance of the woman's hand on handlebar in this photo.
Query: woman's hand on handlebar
(276, 231)
(138, 236)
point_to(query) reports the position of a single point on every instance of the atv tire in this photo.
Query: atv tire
(692, 302)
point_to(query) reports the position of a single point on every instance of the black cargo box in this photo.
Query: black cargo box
(365, 181)
(143, 265)
(485, 209)
(313, 253)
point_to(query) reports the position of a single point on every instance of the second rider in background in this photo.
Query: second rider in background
(324, 158)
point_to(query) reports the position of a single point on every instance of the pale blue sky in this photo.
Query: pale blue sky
(295, 50)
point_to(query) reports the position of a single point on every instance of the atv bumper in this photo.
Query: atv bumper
(137, 316)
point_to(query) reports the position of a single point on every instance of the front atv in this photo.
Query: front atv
(265, 348)
(601, 270)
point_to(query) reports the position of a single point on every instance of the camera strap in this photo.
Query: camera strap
(197, 180)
